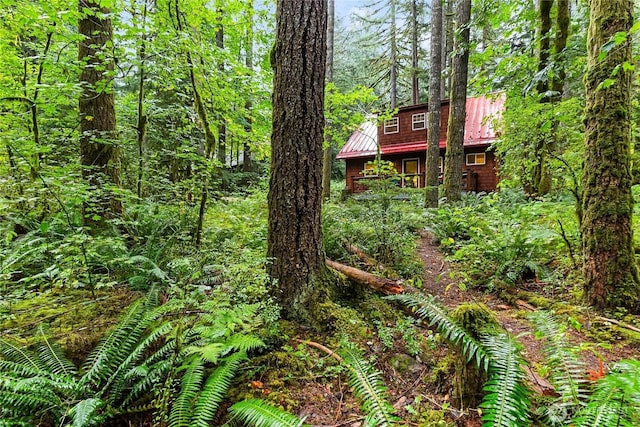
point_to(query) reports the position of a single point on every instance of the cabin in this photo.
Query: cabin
(402, 140)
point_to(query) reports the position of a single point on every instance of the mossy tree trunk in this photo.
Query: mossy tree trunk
(99, 153)
(454, 156)
(610, 270)
(433, 132)
(295, 187)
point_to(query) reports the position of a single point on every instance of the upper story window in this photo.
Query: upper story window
(476, 159)
(418, 121)
(391, 126)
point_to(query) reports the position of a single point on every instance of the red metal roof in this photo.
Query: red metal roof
(363, 142)
(478, 131)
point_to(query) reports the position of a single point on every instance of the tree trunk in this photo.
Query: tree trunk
(454, 157)
(222, 128)
(99, 152)
(447, 46)
(327, 154)
(433, 132)
(562, 35)
(610, 270)
(545, 43)
(393, 59)
(247, 163)
(294, 234)
(141, 127)
(415, 89)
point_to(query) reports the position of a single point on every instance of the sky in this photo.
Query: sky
(345, 7)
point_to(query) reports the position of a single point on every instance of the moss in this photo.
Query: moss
(475, 318)
(344, 321)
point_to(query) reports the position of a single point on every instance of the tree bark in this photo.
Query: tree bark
(545, 43)
(141, 127)
(327, 154)
(610, 270)
(415, 89)
(433, 132)
(454, 157)
(447, 46)
(393, 59)
(294, 241)
(99, 153)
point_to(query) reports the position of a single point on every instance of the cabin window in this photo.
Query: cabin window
(369, 169)
(411, 172)
(476, 159)
(441, 164)
(391, 126)
(418, 121)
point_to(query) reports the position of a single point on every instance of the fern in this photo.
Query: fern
(616, 399)
(368, 387)
(182, 408)
(53, 358)
(83, 414)
(567, 372)
(214, 390)
(427, 308)
(506, 402)
(257, 413)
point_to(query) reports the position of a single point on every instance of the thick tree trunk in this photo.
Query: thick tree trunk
(99, 152)
(562, 35)
(327, 154)
(610, 270)
(433, 132)
(295, 237)
(454, 157)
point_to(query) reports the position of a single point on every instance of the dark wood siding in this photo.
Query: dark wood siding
(406, 133)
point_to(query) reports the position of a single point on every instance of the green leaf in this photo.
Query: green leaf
(605, 84)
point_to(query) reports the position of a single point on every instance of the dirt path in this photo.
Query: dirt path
(438, 281)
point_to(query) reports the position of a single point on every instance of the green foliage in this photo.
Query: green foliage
(255, 412)
(369, 389)
(427, 308)
(567, 373)
(503, 240)
(507, 400)
(134, 367)
(615, 400)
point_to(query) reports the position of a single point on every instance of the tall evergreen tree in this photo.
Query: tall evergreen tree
(610, 269)
(433, 132)
(294, 234)
(454, 157)
(99, 152)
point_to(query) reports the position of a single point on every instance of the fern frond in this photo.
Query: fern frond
(118, 381)
(214, 390)
(258, 413)
(83, 414)
(15, 353)
(427, 308)
(506, 402)
(53, 358)
(368, 387)
(148, 379)
(567, 371)
(118, 344)
(615, 400)
(182, 408)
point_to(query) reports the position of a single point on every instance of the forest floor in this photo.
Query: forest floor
(420, 389)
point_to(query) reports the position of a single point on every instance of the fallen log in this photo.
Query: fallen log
(363, 256)
(380, 284)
